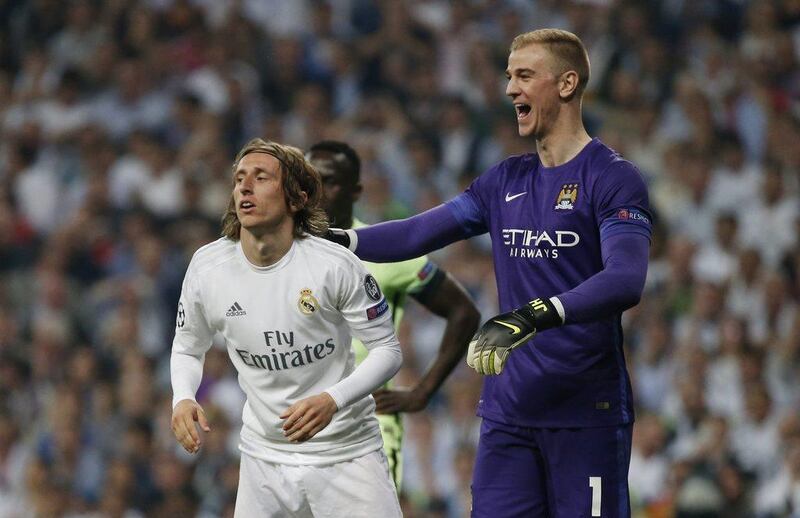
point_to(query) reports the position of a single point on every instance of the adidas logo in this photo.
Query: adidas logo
(235, 311)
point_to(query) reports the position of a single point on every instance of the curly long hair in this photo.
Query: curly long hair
(297, 176)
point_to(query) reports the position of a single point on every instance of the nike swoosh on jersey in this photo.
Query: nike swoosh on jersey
(510, 197)
(513, 328)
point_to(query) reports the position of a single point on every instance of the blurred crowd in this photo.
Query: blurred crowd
(119, 120)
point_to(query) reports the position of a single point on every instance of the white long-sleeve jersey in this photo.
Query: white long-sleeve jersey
(287, 328)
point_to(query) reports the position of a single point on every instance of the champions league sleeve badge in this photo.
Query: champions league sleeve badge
(180, 319)
(371, 287)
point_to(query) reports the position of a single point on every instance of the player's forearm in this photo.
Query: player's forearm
(450, 301)
(408, 238)
(461, 325)
(186, 373)
(614, 289)
(381, 364)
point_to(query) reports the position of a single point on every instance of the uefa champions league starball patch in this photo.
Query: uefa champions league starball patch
(180, 320)
(371, 287)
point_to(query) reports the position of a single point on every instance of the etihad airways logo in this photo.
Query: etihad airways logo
(538, 243)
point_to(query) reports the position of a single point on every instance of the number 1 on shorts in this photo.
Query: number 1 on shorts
(597, 494)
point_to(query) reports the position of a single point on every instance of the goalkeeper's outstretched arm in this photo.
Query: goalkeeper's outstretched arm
(404, 238)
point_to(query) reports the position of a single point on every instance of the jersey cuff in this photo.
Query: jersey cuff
(353, 235)
(559, 307)
(337, 397)
(177, 398)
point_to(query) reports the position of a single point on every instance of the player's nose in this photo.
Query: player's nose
(246, 185)
(512, 90)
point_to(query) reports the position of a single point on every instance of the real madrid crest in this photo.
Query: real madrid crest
(307, 304)
(567, 197)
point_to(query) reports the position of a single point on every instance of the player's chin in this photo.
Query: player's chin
(249, 221)
(525, 130)
(525, 126)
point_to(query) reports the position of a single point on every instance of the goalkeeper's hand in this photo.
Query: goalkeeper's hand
(341, 236)
(494, 341)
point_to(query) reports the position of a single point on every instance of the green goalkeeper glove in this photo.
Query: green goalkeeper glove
(494, 341)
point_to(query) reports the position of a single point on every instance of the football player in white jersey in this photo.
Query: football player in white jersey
(287, 303)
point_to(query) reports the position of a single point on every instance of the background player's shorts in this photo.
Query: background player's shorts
(392, 433)
(358, 488)
(551, 472)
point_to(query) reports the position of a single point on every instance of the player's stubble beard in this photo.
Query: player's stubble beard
(265, 226)
(542, 120)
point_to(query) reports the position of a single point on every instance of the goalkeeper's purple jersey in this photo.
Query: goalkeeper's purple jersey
(546, 226)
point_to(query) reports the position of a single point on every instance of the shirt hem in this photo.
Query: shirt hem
(257, 448)
(536, 423)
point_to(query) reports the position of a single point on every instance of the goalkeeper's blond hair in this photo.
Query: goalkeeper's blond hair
(567, 50)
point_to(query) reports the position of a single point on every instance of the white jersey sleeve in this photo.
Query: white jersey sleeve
(193, 338)
(367, 314)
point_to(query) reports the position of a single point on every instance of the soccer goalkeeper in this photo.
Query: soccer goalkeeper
(570, 228)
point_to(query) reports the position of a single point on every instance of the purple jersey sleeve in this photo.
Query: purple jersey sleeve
(621, 209)
(468, 209)
(622, 203)
(617, 287)
(460, 218)
(411, 237)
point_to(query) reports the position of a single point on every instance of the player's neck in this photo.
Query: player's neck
(268, 248)
(563, 142)
(344, 221)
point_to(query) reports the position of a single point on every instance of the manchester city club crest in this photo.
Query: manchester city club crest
(567, 197)
(307, 304)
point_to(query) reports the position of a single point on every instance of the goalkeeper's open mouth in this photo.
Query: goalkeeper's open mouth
(523, 110)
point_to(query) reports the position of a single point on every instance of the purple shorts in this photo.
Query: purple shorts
(551, 472)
